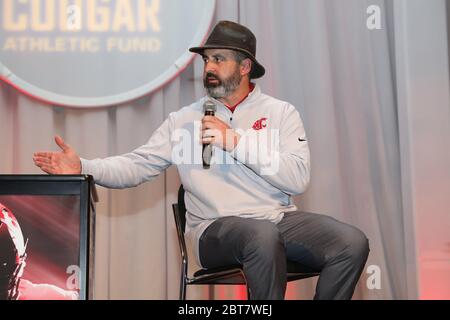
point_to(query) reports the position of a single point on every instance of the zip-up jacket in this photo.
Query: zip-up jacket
(256, 180)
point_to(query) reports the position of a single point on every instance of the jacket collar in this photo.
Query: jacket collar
(252, 96)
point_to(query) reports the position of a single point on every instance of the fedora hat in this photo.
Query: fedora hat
(233, 36)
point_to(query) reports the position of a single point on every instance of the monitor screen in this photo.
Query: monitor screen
(45, 240)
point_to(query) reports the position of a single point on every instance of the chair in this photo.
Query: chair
(224, 275)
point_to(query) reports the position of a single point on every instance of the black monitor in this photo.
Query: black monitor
(56, 217)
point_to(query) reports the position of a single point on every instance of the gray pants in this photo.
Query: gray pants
(338, 250)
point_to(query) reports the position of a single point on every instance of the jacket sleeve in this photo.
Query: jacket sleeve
(281, 157)
(131, 169)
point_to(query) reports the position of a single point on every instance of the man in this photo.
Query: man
(240, 210)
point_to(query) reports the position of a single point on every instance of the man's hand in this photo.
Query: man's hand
(218, 133)
(65, 162)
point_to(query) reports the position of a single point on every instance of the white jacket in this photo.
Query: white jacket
(244, 182)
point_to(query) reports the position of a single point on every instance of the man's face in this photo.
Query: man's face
(222, 74)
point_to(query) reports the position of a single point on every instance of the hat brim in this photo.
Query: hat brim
(257, 70)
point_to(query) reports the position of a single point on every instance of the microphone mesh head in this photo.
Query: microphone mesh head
(209, 106)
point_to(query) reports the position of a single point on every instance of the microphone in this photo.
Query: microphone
(209, 109)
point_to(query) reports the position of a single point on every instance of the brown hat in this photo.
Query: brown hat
(233, 36)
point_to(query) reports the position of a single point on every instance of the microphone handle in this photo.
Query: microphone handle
(207, 147)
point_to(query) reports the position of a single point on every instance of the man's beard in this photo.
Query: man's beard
(224, 87)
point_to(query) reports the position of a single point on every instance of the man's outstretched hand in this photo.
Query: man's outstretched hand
(64, 162)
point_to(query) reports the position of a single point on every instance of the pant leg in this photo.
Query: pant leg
(337, 249)
(255, 244)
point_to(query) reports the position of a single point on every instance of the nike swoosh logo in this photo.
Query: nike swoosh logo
(301, 140)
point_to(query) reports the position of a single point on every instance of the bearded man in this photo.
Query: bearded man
(240, 210)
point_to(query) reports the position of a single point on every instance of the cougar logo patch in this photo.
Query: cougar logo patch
(260, 124)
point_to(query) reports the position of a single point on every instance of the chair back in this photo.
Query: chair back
(181, 208)
(179, 214)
